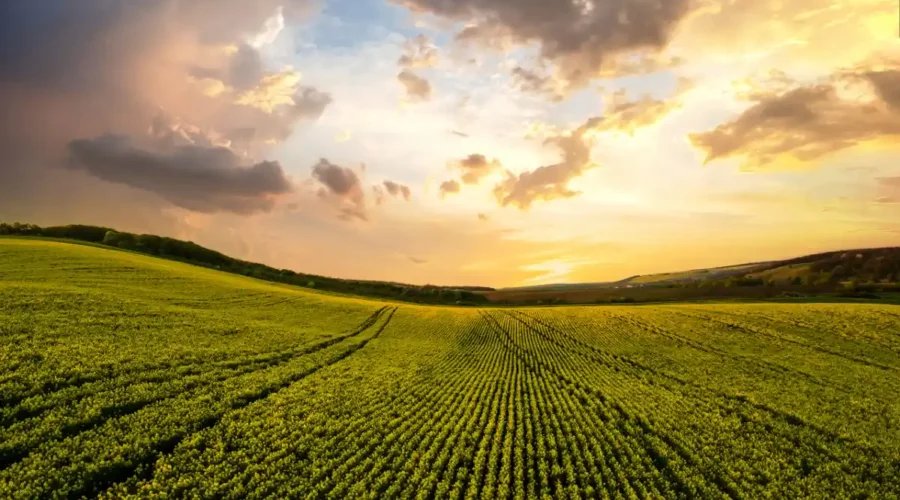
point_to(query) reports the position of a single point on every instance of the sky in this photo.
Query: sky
(473, 142)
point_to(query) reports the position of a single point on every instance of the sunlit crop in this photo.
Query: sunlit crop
(123, 375)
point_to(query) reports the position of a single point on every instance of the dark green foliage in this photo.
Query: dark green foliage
(93, 234)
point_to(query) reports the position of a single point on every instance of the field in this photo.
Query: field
(696, 274)
(123, 375)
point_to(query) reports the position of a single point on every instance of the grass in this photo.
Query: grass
(122, 375)
(696, 274)
(783, 273)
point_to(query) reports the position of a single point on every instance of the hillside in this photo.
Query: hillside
(131, 376)
(863, 273)
(192, 253)
(688, 276)
(868, 265)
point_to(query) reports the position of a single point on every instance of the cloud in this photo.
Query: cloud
(189, 59)
(417, 88)
(272, 27)
(532, 81)
(550, 182)
(167, 131)
(344, 185)
(395, 189)
(243, 71)
(449, 187)
(624, 115)
(419, 52)
(805, 122)
(282, 93)
(203, 179)
(581, 38)
(547, 81)
(475, 167)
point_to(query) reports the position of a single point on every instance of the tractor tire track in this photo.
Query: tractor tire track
(13, 455)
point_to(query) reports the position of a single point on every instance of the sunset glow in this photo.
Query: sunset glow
(490, 142)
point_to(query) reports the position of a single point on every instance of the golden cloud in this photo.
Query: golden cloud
(798, 124)
(272, 91)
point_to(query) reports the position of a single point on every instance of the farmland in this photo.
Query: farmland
(123, 375)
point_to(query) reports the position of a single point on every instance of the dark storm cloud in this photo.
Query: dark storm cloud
(203, 179)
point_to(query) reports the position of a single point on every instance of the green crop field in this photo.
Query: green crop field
(123, 375)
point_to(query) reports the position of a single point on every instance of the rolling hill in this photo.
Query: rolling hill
(129, 376)
(862, 273)
(190, 252)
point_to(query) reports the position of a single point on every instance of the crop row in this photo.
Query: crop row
(85, 461)
(614, 403)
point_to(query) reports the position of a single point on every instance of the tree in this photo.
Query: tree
(111, 238)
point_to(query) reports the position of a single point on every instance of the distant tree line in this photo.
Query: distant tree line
(192, 253)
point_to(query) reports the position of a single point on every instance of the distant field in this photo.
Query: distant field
(688, 275)
(122, 375)
(782, 273)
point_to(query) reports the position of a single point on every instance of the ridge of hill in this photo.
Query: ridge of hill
(860, 273)
(865, 265)
(192, 253)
